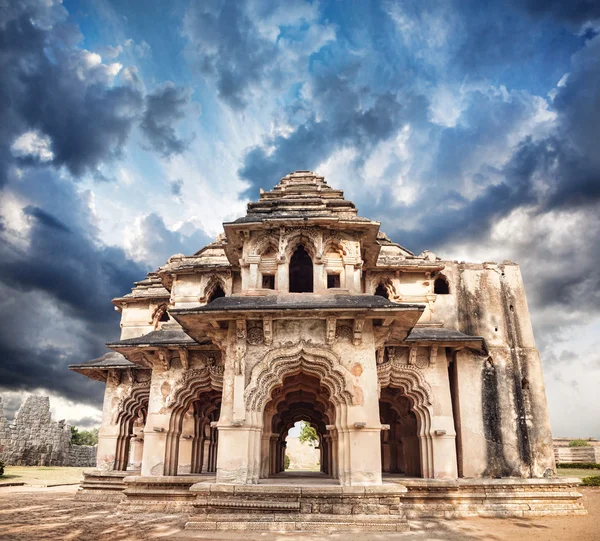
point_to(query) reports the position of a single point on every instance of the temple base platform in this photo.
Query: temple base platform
(99, 485)
(312, 506)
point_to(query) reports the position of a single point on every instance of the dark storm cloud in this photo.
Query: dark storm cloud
(57, 266)
(572, 11)
(60, 283)
(227, 45)
(51, 87)
(164, 106)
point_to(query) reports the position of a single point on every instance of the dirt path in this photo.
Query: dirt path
(35, 514)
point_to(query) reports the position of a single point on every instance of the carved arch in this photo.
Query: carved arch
(130, 408)
(410, 380)
(385, 280)
(304, 357)
(190, 387)
(308, 239)
(263, 243)
(216, 280)
(341, 242)
(158, 313)
(193, 382)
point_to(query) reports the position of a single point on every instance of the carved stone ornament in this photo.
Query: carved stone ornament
(255, 335)
(422, 361)
(344, 332)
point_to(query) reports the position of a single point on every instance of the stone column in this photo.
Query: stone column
(319, 277)
(442, 434)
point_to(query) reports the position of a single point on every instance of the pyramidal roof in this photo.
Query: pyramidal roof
(299, 195)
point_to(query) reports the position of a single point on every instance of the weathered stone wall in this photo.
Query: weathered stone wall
(83, 456)
(33, 439)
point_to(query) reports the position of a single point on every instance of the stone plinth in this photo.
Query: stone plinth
(99, 485)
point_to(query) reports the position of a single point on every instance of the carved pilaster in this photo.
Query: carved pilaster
(268, 330)
(359, 323)
(412, 356)
(240, 347)
(433, 355)
(185, 359)
(331, 328)
(164, 358)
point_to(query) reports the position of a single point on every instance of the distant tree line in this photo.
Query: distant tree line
(84, 437)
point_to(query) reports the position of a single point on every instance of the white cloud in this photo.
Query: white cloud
(33, 144)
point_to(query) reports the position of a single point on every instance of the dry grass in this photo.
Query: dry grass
(41, 475)
(575, 472)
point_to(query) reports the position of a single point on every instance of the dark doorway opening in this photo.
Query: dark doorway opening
(301, 271)
(400, 448)
(440, 286)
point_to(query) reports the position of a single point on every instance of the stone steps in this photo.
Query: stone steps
(297, 522)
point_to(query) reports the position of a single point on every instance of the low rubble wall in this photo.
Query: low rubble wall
(34, 439)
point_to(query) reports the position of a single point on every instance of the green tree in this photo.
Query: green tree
(308, 434)
(84, 437)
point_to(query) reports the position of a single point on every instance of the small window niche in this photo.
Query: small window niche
(268, 281)
(381, 291)
(440, 286)
(333, 281)
(216, 294)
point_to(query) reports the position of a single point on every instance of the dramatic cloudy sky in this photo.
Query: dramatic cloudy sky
(130, 130)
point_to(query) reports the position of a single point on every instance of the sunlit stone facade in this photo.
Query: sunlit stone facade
(302, 310)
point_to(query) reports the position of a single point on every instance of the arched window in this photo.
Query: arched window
(301, 271)
(440, 286)
(217, 293)
(381, 291)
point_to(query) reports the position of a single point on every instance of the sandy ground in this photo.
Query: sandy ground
(44, 514)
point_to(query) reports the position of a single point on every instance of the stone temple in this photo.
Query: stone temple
(420, 376)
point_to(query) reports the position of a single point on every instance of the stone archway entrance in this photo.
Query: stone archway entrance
(300, 397)
(192, 437)
(400, 450)
(199, 436)
(131, 421)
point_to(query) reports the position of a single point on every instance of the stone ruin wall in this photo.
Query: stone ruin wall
(33, 439)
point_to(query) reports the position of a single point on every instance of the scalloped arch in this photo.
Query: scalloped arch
(408, 378)
(263, 243)
(193, 382)
(303, 357)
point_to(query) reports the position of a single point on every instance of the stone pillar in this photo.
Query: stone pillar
(137, 449)
(283, 277)
(442, 434)
(365, 456)
(319, 277)
(253, 276)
